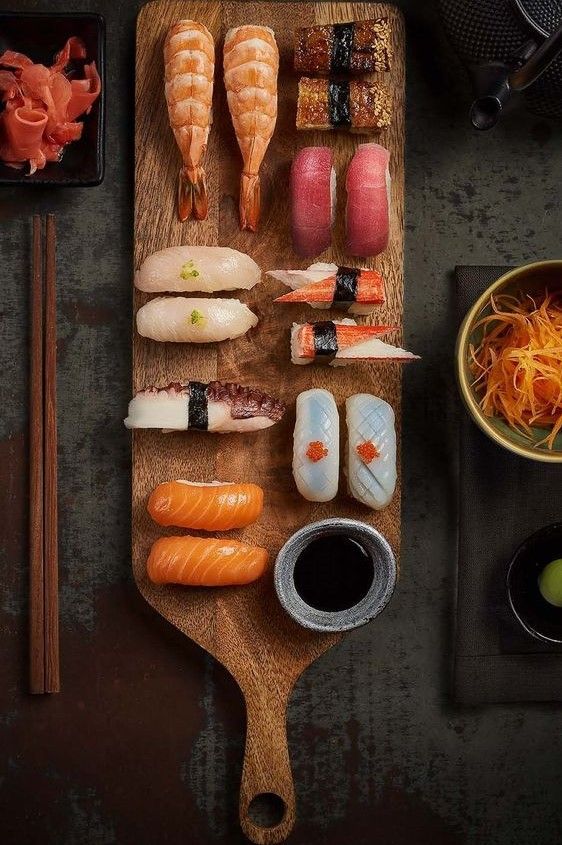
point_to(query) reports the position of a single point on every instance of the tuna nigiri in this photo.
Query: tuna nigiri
(186, 269)
(183, 320)
(371, 450)
(215, 506)
(328, 286)
(217, 406)
(204, 562)
(340, 342)
(313, 200)
(368, 201)
(316, 445)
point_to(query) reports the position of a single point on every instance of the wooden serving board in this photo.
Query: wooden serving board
(245, 628)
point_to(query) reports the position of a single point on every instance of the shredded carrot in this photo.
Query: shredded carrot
(517, 366)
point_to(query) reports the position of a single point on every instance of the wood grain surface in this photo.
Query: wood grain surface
(245, 628)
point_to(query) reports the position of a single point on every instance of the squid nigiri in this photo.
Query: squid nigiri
(316, 445)
(185, 269)
(313, 200)
(183, 320)
(189, 67)
(328, 286)
(204, 562)
(371, 450)
(340, 342)
(368, 201)
(217, 406)
(251, 64)
(215, 506)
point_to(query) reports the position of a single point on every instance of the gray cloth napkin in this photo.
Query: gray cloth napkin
(503, 499)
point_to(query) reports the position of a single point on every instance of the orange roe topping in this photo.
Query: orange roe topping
(316, 451)
(367, 451)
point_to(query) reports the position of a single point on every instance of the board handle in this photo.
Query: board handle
(266, 773)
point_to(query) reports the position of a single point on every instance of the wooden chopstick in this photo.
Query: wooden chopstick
(36, 573)
(43, 529)
(50, 501)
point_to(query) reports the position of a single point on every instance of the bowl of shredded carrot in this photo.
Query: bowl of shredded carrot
(509, 361)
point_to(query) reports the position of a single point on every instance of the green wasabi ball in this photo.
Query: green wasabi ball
(550, 583)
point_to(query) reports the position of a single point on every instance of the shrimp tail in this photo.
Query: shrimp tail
(192, 193)
(249, 201)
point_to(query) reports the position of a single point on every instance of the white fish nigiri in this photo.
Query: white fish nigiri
(216, 406)
(186, 269)
(316, 445)
(184, 320)
(371, 450)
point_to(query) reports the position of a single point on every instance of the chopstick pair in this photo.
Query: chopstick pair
(43, 529)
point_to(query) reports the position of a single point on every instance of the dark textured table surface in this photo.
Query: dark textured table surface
(144, 743)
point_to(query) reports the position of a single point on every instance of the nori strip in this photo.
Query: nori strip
(338, 103)
(342, 47)
(197, 413)
(325, 339)
(345, 292)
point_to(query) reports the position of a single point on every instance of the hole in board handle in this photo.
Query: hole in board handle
(266, 810)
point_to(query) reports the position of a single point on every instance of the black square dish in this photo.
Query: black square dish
(41, 36)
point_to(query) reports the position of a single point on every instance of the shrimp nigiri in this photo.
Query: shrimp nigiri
(251, 64)
(189, 59)
(204, 562)
(213, 506)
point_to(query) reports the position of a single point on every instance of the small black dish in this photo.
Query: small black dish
(537, 616)
(40, 36)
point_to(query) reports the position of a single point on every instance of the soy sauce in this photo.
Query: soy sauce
(333, 573)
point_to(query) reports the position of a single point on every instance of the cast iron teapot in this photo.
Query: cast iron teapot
(509, 46)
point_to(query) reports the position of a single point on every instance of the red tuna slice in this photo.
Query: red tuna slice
(312, 200)
(367, 211)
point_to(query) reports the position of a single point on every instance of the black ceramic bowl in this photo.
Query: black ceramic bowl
(537, 616)
(41, 36)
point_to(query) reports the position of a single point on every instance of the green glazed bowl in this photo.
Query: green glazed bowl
(531, 278)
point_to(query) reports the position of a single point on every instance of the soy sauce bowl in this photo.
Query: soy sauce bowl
(539, 618)
(364, 608)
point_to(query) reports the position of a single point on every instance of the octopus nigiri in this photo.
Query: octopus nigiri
(213, 506)
(204, 562)
(218, 406)
(316, 445)
(189, 66)
(251, 65)
(182, 319)
(328, 286)
(339, 342)
(371, 450)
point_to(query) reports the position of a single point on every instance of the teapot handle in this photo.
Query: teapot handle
(537, 63)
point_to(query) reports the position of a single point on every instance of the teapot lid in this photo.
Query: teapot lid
(544, 16)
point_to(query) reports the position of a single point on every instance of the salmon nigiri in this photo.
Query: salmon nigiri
(211, 506)
(339, 342)
(204, 562)
(328, 286)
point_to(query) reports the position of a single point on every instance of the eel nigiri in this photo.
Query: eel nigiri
(204, 562)
(368, 201)
(357, 105)
(316, 445)
(217, 406)
(189, 67)
(183, 320)
(313, 200)
(251, 64)
(340, 342)
(214, 506)
(371, 450)
(328, 286)
(185, 269)
(354, 47)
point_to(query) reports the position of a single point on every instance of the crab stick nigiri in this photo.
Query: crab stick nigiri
(339, 342)
(328, 286)
(213, 506)
(368, 201)
(371, 450)
(313, 200)
(204, 562)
